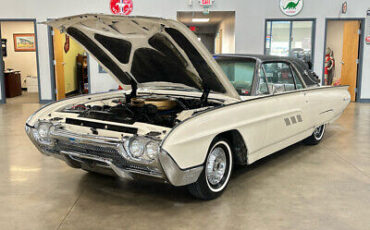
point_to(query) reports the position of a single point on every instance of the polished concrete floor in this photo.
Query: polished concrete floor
(302, 187)
(25, 98)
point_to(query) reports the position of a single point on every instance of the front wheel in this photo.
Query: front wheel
(216, 173)
(316, 136)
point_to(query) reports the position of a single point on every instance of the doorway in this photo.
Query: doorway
(215, 30)
(70, 66)
(342, 54)
(19, 61)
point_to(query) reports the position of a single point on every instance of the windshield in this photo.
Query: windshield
(240, 73)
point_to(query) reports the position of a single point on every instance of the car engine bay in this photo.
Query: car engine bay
(159, 110)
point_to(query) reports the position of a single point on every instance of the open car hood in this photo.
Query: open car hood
(143, 50)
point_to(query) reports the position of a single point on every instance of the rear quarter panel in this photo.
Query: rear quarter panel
(327, 103)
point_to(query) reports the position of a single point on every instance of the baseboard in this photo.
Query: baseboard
(363, 100)
(46, 101)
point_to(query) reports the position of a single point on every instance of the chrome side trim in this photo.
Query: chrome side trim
(174, 174)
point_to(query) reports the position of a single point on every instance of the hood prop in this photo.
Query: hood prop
(204, 97)
(133, 93)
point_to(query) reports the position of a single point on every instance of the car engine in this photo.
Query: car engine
(157, 110)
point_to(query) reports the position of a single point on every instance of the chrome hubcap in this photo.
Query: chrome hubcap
(318, 132)
(216, 165)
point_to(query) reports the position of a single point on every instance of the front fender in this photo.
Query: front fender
(188, 143)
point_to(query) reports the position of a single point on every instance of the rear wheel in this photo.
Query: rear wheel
(216, 173)
(316, 136)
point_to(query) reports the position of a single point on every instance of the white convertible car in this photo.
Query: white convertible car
(186, 117)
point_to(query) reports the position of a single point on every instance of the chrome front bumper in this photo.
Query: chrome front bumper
(81, 150)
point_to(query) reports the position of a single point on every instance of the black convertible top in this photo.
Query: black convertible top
(263, 58)
(308, 76)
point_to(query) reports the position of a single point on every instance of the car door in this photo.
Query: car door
(248, 116)
(288, 112)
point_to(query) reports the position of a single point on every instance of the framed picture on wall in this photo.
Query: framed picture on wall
(24, 42)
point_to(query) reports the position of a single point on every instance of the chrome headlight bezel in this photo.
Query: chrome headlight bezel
(136, 147)
(152, 149)
(43, 136)
(145, 155)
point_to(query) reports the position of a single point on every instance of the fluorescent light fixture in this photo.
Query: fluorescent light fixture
(200, 20)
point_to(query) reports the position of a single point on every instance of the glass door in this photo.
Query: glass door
(293, 38)
(301, 41)
(280, 41)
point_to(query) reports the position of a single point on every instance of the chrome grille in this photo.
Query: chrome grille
(93, 150)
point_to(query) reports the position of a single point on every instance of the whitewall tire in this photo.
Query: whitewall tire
(216, 173)
(316, 136)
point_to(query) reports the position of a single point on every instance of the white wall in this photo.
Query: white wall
(100, 82)
(334, 41)
(228, 35)
(249, 24)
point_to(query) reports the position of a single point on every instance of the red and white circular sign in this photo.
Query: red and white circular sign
(368, 39)
(121, 7)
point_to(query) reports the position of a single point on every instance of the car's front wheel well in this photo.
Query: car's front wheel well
(238, 146)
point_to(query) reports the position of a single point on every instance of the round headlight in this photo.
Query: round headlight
(152, 149)
(136, 148)
(43, 130)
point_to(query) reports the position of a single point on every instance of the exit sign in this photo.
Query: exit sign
(206, 2)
